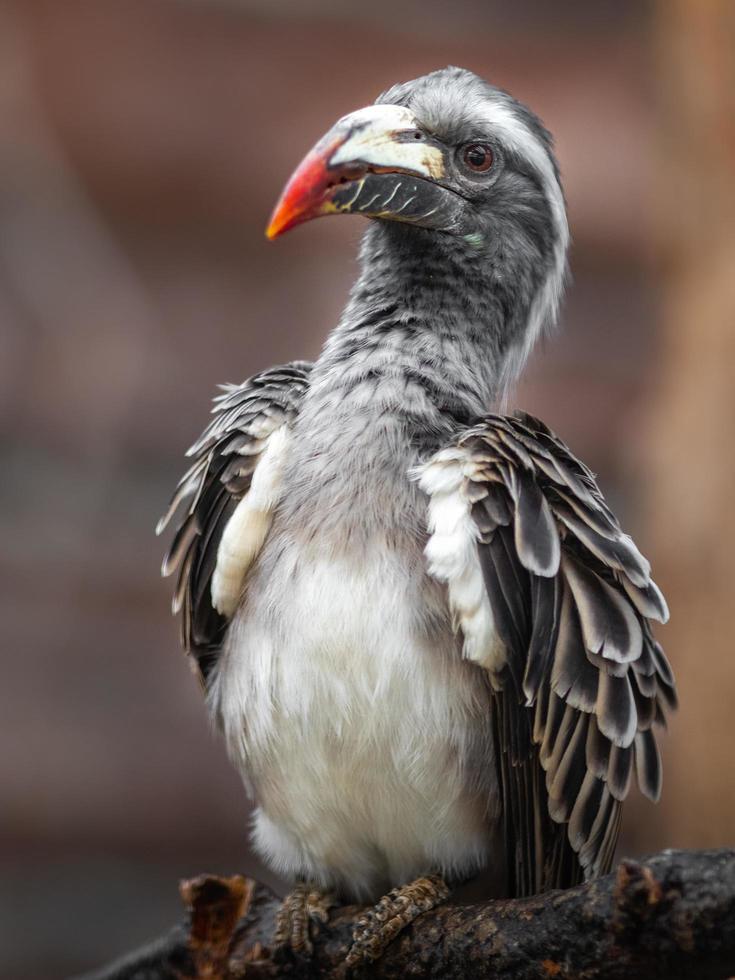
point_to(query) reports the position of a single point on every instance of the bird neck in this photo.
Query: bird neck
(419, 352)
(430, 326)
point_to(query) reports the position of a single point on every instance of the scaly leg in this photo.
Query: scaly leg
(302, 910)
(380, 925)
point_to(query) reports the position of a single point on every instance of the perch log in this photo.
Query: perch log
(670, 916)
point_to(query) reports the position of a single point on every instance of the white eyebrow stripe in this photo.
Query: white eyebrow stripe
(522, 141)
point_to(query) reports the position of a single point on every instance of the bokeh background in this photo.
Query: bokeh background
(142, 144)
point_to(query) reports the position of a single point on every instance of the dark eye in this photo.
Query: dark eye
(478, 157)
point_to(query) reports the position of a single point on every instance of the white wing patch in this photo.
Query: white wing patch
(453, 556)
(245, 531)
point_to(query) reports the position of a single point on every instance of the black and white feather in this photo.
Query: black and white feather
(555, 600)
(246, 419)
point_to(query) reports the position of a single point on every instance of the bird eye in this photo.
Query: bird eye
(478, 157)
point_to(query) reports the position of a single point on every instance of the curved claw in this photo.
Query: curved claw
(301, 914)
(380, 925)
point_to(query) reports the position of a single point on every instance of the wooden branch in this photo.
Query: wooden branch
(671, 916)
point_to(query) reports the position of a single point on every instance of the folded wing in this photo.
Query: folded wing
(226, 500)
(554, 600)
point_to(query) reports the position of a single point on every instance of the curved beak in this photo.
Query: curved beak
(376, 162)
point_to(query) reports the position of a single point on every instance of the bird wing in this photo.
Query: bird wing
(228, 496)
(554, 600)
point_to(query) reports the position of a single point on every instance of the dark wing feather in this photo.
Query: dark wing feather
(225, 457)
(584, 682)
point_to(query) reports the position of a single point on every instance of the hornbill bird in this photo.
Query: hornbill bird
(423, 633)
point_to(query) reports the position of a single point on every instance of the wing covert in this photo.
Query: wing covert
(226, 496)
(579, 680)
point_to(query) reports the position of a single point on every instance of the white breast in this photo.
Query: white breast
(363, 734)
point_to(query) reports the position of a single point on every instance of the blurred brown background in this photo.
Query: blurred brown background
(142, 144)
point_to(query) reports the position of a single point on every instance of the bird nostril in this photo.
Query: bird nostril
(337, 181)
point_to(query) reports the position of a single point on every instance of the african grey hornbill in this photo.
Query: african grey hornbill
(422, 631)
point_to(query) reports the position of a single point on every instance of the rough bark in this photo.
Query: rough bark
(671, 916)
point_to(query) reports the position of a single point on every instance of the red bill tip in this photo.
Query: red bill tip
(303, 195)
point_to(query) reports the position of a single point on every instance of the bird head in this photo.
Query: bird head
(451, 153)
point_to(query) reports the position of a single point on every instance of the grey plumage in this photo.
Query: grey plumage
(518, 683)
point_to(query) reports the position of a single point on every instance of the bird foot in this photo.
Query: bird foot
(301, 914)
(380, 925)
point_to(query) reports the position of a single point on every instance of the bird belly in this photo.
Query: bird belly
(363, 734)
